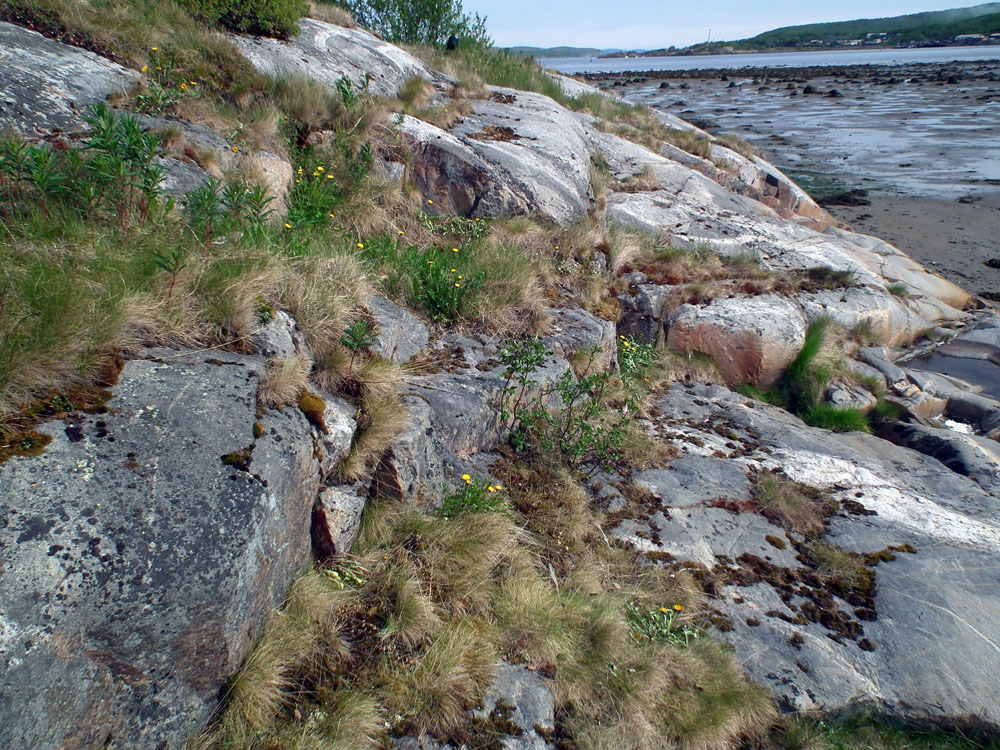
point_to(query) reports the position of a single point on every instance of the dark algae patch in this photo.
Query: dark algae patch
(26, 444)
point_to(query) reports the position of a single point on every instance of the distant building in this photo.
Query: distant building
(851, 42)
(970, 38)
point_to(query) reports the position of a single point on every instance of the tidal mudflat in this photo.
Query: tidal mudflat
(907, 153)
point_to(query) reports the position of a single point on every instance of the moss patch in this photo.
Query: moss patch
(313, 407)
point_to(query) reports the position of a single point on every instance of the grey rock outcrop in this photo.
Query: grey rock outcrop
(46, 86)
(401, 334)
(150, 541)
(517, 153)
(326, 53)
(922, 647)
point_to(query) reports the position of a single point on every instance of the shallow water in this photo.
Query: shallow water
(574, 65)
(980, 372)
(919, 139)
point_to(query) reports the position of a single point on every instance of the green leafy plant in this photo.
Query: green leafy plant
(475, 496)
(440, 287)
(44, 176)
(359, 336)
(173, 262)
(634, 355)
(458, 227)
(898, 289)
(313, 198)
(567, 418)
(206, 208)
(661, 625)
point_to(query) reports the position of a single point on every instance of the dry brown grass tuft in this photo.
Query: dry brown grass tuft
(267, 678)
(415, 92)
(381, 422)
(447, 680)
(323, 294)
(798, 508)
(329, 13)
(283, 381)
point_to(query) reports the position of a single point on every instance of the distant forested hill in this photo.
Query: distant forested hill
(916, 27)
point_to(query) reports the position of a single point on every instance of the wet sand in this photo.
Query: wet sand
(952, 239)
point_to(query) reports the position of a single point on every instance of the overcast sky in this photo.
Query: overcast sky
(647, 24)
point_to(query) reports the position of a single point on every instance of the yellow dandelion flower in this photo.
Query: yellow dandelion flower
(184, 87)
(453, 270)
(499, 487)
(331, 216)
(458, 285)
(430, 262)
(459, 277)
(678, 608)
(491, 488)
(329, 177)
(430, 202)
(454, 249)
(145, 68)
(401, 232)
(320, 169)
(288, 226)
(622, 338)
(236, 149)
(663, 610)
(194, 83)
(154, 49)
(361, 246)
(298, 182)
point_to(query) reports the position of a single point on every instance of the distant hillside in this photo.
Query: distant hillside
(916, 27)
(556, 51)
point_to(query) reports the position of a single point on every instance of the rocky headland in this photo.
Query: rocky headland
(143, 549)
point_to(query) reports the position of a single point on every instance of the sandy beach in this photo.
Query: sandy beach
(951, 238)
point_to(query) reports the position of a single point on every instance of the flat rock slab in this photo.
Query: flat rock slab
(141, 553)
(45, 86)
(929, 647)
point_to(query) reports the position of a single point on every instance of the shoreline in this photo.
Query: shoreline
(962, 70)
(952, 238)
(780, 51)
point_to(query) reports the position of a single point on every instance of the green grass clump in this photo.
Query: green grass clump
(870, 732)
(801, 388)
(837, 419)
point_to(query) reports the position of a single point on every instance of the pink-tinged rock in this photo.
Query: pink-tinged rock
(752, 339)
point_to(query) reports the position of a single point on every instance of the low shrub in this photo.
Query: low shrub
(277, 18)
(429, 22)
(566, 420)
